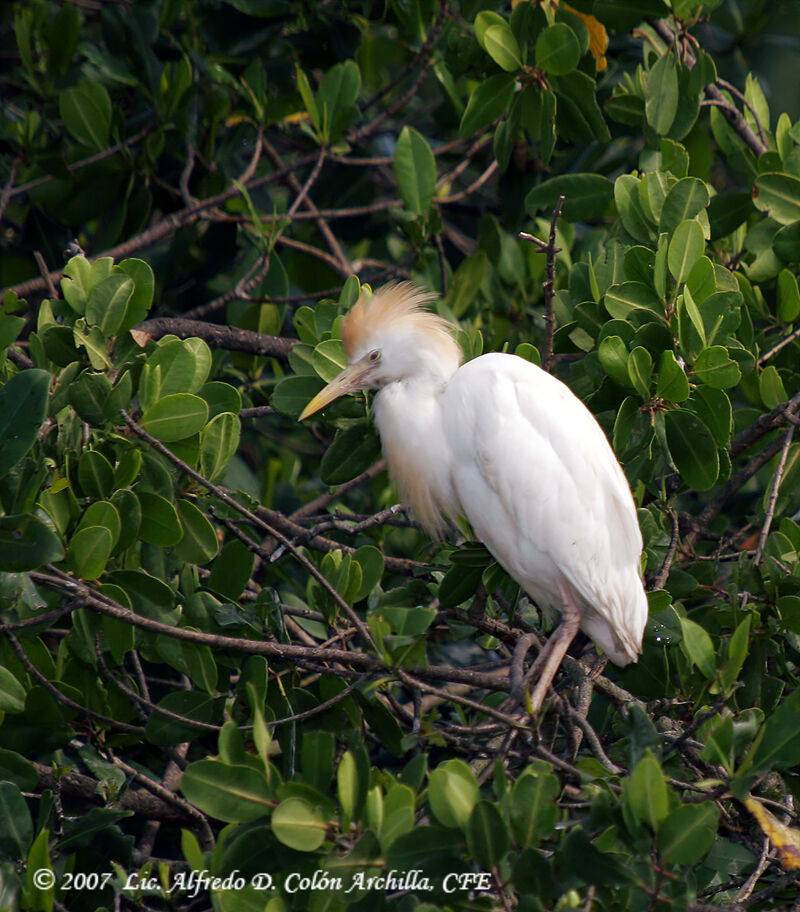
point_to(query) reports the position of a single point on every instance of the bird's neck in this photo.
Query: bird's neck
(408, 415)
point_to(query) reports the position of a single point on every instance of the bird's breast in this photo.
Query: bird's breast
(408, 416)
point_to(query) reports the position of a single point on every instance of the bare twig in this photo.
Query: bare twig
(787, 340)
(661, 577)
(773, 496)
(61, 698)
(550, 250)
(5, 194)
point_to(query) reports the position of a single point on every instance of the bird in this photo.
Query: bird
(510, 448)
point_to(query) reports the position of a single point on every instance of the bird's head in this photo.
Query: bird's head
(391, 337)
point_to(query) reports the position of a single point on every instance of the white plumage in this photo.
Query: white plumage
(513, 450)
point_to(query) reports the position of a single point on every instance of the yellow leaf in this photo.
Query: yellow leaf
(598, 36)
(785, 839)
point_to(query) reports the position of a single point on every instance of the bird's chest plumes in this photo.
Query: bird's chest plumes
(409, 418)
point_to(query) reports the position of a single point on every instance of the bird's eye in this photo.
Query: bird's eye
(374, 356)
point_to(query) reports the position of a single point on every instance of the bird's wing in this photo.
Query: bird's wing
(536, 477)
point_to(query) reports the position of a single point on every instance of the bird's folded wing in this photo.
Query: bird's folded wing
(538, 480)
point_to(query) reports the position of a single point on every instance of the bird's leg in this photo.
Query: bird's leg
(549, 659)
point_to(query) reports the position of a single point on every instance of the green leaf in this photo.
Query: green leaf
(23, 407)
(292, 394)
(40, 897)
(329, 359)
(501, 45)
(466, 282)
(415, 170)
(640, 367)
(452, 793)
(647, 792)
(621, 299)
(353, 450)
(586, 196)
(174, 367)
(714, 368)
(673, 384)
(27, 543)
(685, 248)
(737, 653)
(692, 448)
(778, 748)
(557, 49)
(16, 825)
(219, 441)
(699, 648)
(317, 757)
(95, 474)
(175, 417)
(487, 835)
(88, 396)
(534, 812)
(308, 97)
(102, 513)
(17, 769)
(142, 298)
(160, 525)
(778, 195)
(685, 200)
(299, 825)
(623, 15)
(661, 97)
(108, 303)
(485, 20)
(86, 112)
(728, 210)
(371, 561)
(579, 117)
(488, 101)
(771, 388)
(688, 833)
(350, 788)
(229, 792)
(12, 693)
(89, 551)
(199, 542)
(788, 297)
(613, 354)
(231, 570)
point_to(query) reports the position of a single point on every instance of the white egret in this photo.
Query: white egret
(510, 448)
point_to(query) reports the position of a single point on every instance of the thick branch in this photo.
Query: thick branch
(230, 338)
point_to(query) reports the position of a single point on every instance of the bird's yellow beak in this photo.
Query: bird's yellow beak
(348, 381)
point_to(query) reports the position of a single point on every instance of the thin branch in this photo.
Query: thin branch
(40, 262)
(663, 572)
(61, 698)
(426, 57)
(157, 789)
(8, 187)
(729, 111)
(550, 250)
(787, 340)
(338, 261)
(727, 491)
(773, 496)
(89, 160)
